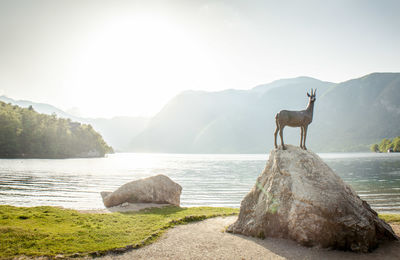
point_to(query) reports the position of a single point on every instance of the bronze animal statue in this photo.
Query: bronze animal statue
(296, 119)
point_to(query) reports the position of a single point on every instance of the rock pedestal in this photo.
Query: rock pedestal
(156, 189)
(299, 197)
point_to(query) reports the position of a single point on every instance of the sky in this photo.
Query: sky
(113, 58)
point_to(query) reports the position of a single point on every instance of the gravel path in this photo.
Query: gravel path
(207, 240)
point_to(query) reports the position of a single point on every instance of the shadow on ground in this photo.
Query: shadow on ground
(291, 250)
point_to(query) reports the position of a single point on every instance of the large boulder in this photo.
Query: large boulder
(299, 197)
(156, 189)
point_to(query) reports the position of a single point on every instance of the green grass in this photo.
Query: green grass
(49, 231)
(391, 218)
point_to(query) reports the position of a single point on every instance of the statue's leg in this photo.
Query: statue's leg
(281, 135)
(301, 137)
(305, 135)
(276, 133)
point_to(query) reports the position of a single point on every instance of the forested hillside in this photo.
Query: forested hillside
(116, 131)
(24, 133)
(387, 145)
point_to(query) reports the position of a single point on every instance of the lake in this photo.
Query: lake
(207, 180)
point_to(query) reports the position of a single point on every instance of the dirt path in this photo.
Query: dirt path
(206, 240)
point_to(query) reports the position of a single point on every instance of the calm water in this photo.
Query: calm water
(213, 180)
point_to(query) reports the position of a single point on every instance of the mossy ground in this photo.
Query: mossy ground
(49, 231)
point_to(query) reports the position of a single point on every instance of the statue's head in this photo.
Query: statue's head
(312, 97)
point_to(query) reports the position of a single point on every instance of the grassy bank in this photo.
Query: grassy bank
(391, 218)
(49, 231)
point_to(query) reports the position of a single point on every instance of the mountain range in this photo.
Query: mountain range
(348, 116)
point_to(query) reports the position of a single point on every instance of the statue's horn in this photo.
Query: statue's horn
(315, 91)
(312, 92)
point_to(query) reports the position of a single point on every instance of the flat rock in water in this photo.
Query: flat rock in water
(157, 189)
(299, 197)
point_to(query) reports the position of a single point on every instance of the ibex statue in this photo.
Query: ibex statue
(296, 119)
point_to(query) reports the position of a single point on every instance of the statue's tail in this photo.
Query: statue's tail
(277, 117)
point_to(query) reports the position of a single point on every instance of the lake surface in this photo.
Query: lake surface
(207, 180)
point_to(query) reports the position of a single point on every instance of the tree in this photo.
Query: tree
(385, 145)
(396, 144)
(375, 148)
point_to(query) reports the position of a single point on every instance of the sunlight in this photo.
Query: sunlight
(136, 63)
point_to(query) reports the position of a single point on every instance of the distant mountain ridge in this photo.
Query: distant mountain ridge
(39, 107)
(349, 116)
(285, 82)
(230, 121)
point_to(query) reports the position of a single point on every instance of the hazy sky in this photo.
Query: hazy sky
(130, 57)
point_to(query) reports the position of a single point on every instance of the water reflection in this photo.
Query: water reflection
(214, 180)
